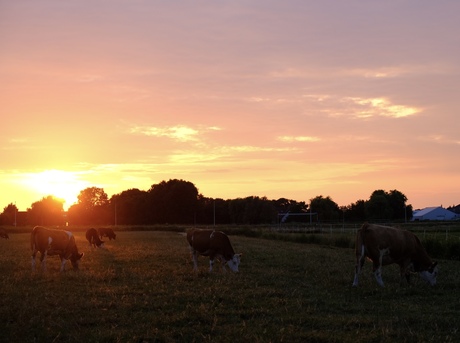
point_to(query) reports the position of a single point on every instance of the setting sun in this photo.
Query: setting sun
(58, 183)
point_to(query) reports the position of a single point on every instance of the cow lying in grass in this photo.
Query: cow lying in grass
(54, 242)
(385, 245)
(214, 244)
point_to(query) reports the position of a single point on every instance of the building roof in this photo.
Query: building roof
(434, 213)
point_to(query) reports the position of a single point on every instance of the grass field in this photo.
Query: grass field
(143, 289)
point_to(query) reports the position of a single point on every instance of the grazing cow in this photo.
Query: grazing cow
(214, 244)
(107, 232)
(385, 245)
(54, 242)
(93, 239)
(3, 233)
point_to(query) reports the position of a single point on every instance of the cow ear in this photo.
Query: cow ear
(81, 255)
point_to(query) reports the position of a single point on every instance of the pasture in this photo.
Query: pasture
(143, 289)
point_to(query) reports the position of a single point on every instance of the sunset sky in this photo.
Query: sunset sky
(290, 99)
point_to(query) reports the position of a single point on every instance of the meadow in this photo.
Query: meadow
(142, 288)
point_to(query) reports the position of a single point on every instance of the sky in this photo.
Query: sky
(278, 99)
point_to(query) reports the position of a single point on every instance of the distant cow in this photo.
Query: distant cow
(385, 245)
(214, 244)
(54, 242)
(3, 233)
(107, 232)
(93, 239)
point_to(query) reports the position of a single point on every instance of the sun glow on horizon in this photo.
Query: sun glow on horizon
(61, 184)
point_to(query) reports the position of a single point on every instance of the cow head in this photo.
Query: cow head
(75, 260)
(234, 262)
(430, 274)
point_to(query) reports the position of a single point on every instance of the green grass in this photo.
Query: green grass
(143, 289)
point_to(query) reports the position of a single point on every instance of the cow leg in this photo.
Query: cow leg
(405, 272)
(34, 254)
(378, 275)
(194, 254)
(211, 263)
(359, 265)
(63, 261)
(43, 259)
(378, 267)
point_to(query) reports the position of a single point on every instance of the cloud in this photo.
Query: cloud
(179, 133)
(360, 107)
(371, 107)
(298, 139)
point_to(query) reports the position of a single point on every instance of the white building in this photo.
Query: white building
(434, 213)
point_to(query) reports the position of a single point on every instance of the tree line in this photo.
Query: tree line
(179, 202)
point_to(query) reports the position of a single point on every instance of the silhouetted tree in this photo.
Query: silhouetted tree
(174, 202)
(378, 207)
(259, 211)
(91, 208)
(388, 206)
(397, 202)
(9, 215)
(212, 211)
(356, 211)
(130, 207)
(283, 206)
(326, 208)
(48, 211)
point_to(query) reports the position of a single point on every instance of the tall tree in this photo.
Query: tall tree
(48, 211)
(174, 202)
(9, 215)
(326, 208)
(91, 208)
(130, 207)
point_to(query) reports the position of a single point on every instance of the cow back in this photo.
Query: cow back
(55, 242)
(205, 240)
(401, 244)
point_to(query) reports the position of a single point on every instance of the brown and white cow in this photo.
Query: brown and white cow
(107, 232)
(93, 238)
(385, 245)
(54, 242)
(3, 233)
(214, 244)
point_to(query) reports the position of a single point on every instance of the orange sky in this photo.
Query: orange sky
(289, 99)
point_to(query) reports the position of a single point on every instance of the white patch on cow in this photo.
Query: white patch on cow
(194, 258)
(378, 271)
(378, 276)
(234, 262)
(63, 261)
(429, 277)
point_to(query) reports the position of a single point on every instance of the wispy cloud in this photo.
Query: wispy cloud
(179, 133)
(298, 139)
(370, 107)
